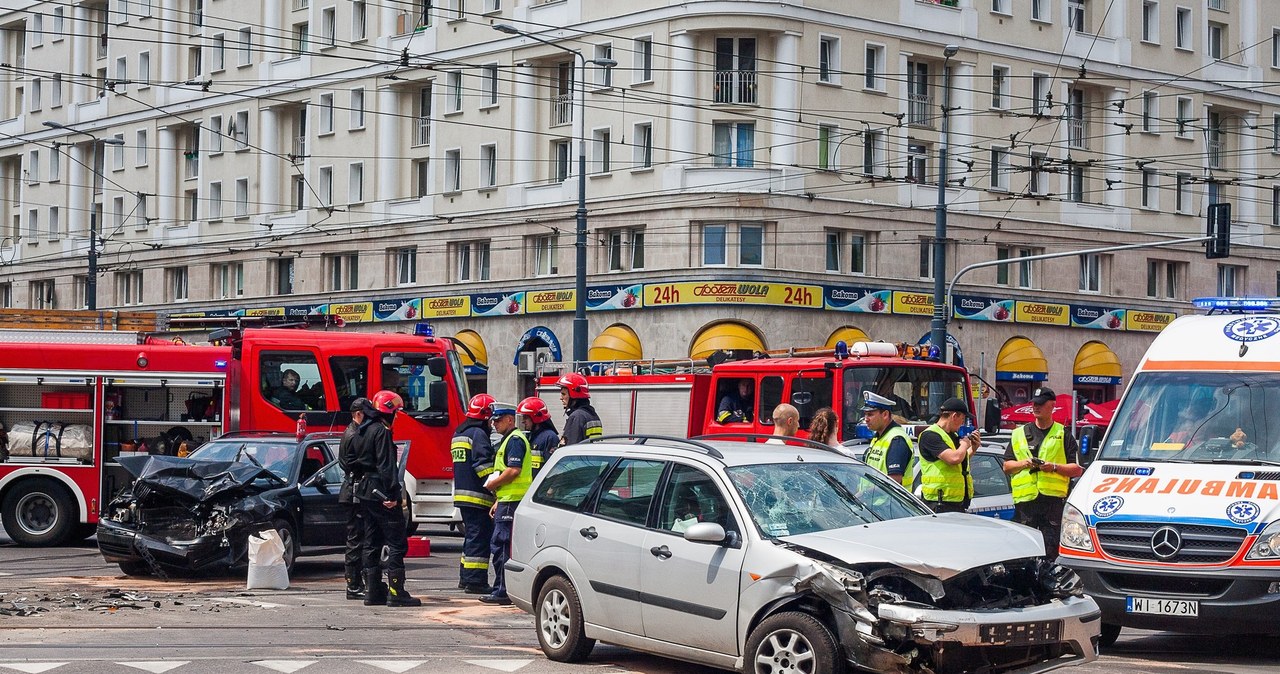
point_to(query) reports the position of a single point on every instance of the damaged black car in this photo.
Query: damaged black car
(196, 514)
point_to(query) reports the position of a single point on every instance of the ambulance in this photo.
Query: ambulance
(1176, 524)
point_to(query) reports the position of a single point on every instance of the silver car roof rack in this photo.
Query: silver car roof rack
(640, 439)
(765, 437)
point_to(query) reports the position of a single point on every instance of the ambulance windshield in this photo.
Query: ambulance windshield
(1198, 417)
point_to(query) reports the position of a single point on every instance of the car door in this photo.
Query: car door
(606, 540)
(690, 590)
(992, 495)
(324, 520)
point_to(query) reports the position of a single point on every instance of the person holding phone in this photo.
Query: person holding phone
(1041, 459)
(945, 482)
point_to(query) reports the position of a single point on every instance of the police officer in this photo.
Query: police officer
(378, 492)
(736, 406)
(535, 421)
(355, 523)
(513, 467)
(1041, 459)
(472, 463)
(583, 422)
(945, 482)
(891, 452)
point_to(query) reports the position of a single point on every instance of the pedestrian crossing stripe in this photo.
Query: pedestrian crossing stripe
(500, 665)
(32, 667)
(285, 666)
(397, 666)
(155, 666)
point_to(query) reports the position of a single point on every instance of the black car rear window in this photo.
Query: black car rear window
(571, 481)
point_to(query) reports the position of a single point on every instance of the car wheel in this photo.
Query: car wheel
(1109, 635)
(135, 568)
(559, 620)
(38, 513)
(792, 642)
(290, 539)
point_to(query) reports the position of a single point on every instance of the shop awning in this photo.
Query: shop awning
(472, 341)
(1021, 360)
(848, 334)
(616, 342)
(1096, 363)
(726, 336)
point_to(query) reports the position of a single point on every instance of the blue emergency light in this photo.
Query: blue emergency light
(842, 350)
(1236, 304)
(424, 329)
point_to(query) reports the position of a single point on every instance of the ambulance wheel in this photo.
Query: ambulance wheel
(1109, 635)
(38, 513)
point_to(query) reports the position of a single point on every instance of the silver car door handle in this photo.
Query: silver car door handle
(661, 552)
(589, 533)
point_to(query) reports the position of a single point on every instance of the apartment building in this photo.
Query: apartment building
(757, 174)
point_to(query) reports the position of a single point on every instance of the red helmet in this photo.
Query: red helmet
(387, 403)
(534, 408)
(577, 385)
(481, 406)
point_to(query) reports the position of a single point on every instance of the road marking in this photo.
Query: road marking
(32, 667)
(500, 665)
(156, 666)
(285, 666)
(397, 666)
(248, 602)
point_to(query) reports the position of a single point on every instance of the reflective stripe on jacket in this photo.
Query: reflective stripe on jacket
(471, 464)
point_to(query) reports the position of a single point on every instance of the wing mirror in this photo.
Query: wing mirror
(705, 532)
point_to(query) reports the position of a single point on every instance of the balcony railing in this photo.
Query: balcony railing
(562, 109)
(735, 86)
(1078, 132)
(299, 148)
(422, 131)
(191, 164)
(919, 107)
(1215, 148)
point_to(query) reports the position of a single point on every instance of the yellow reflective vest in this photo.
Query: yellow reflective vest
(1027, 486)
(878, 454)
(514, 490)
(942, 481)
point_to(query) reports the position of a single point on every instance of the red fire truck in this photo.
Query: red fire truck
(73, 401)
(653, 398)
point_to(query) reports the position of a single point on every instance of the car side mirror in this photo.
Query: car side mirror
(436, 366)
(705, 532)
(437, 412)
(316, 480)
(991, 417)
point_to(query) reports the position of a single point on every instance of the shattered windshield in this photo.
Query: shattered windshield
(277, 457)
(786, 499)
(1200, 417)
(907, 386)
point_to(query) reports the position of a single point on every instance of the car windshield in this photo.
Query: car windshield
(1200, 417)
(786, 499)
(277, 457)
(909, 387)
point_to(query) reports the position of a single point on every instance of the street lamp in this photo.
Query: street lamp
(938, 329)
(580, 240)
(91, 280)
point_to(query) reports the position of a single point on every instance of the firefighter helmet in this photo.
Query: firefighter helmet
(387, 403)
(533, 408)
(576, 384)
(480, 407)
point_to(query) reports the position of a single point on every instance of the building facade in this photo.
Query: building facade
(759, 175)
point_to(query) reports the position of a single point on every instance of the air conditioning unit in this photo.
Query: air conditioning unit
(526, 362)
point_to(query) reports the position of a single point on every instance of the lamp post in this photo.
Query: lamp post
(938, 329)
(580, 217)
(91, 280)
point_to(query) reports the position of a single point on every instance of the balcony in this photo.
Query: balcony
(1078, 132)
(1215, 147)
(422, 131)
(562, 109)
(191, 164)
(919, 109)
(735, 86)
(299, 149)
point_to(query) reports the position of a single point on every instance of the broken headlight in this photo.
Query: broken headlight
(1075, 531)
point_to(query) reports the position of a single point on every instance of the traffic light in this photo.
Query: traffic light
(1218, 227)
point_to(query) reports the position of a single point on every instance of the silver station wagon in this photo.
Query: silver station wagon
(769, 558)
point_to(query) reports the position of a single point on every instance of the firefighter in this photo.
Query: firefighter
(379, 491)
(472, 463)
(355, 523)
(535, 421)
(513, 467)
(945, 482)
(890, 452)
(737, 406)
(583, 422)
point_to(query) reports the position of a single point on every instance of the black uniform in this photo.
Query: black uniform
(733, 409)
(378, 480)
(543, 441)
(583, 422)
(355, 523)
(472, 463)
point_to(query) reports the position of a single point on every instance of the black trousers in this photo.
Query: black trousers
(477, 534)
(355, 540)
(384, 526)
(1045, 514)
(501, 547)
(947, 506)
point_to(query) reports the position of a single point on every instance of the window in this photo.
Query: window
(144, 70)
(176, 279)
(1182, 28)
(453, 91)
(625, 249)
(857, 254)
(129, 287)
(1150, 111)
(637, 479)
(422, 124)
(1217, 38)
(194, 62)
(6, 295)
(1151, 21)
(919, 108)
(714, 245)
(33, 225)
(735, 144)
(751, 245)
(735, 70)
(562, 88)
(117, 210)
(571, 481)
(689, 497)
(55, 166)
(1275, 48)
(37, 94)
(1164, 279)
(325, 187)
(488, 166)
(462, 252)
(1077, 16)
(59, 22)
(1040, 10)
(492, 6)
(301, 38)
(422, 177)
(1184, 117)
(544, 255)
(1275, 206)
(1149, 187)
(242, 197)
(642, 60)
(55, 223)
(1182, 194)
(601, 151)
(55, 91)
(873, 153)
(1000, 6)
(1230, 280)
(215, 134)
(1037, 183)
(217, 53)
(42, 295)
(229, 279)
(343, 271)
(828, 146)
(1077, 122)
(452, 170)
(355, 183)
(472, 255)
(926, 258)
(1275, 133)
(239, 130)
(33, 167)
(191, 203)
(483, 249)
(999, 87)
(1091, 273)
(1220, 5)
(1078, 179)
(291, 380)
(873, 68)
(642, 144)
(829, 60)
(356, 110)
(490, 84)
(329, 26)
(999, 169)
(326, 113)
(1215, 140)
(834, 248)
(604, 74)
(140, 211)
(245, 43)
(1015, 274)
(406, 265)
(917, 163)
(284, 268)
(214, 202)
(1041, 98)
(359, 20)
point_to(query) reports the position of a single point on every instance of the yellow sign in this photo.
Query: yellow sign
(1040, 312)
(541, 301)
(733, 292)
(265, 311)
(446, 307)
(1147, 321)
(913, 304)
(354, 312)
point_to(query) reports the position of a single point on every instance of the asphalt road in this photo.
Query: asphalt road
(85, 616)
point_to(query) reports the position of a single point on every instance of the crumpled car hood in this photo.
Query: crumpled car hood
(191, 478)
(940, 546)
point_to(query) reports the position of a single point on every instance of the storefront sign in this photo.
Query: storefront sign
(861, 300)
(351, 312)
(1039, 312)
(605, 298)
(974, 308)
(1148, 321)
(733, 292)
(1021, 376)
(1098, 318)
(541, 301)
(542, 334)
(265, 311)
(497, 304)
(450, 306)
(1096, 379)
(912, 304)
(396, 310)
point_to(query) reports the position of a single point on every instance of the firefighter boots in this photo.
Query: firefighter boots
(355, 586)
(397, 595)
(375, 591)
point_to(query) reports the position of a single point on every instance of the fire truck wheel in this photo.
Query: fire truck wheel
(38, 513)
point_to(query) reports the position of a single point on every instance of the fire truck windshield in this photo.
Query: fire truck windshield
(408, 374)
(907, 386)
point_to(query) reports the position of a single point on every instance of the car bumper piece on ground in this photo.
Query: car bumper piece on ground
(121, 544)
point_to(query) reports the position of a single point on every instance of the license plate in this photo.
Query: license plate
(1021, 634)
(1176, 607)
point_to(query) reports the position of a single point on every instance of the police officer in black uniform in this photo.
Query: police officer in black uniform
(378, 491)
(355, 524)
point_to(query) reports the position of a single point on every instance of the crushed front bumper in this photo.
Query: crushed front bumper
(119, 543)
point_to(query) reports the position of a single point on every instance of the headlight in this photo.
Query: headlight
(1268, 544)
(1075, 531)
